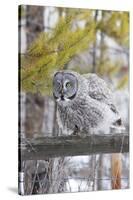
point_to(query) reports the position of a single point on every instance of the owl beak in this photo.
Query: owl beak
(62, 97)
(62, 94)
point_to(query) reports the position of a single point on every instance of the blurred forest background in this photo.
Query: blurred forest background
(50, 39)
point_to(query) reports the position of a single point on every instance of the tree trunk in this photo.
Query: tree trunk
(34, 102)
(94, 46)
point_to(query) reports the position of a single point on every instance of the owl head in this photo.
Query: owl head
(65, 86)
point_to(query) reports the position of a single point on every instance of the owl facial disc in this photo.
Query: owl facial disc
(65, 86)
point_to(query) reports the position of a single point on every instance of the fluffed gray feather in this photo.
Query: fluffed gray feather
(91, 110)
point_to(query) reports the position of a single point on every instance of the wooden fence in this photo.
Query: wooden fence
(46, 147)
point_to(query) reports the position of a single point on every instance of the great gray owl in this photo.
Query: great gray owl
(84, 103)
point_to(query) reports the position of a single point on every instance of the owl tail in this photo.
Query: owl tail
(117, 126)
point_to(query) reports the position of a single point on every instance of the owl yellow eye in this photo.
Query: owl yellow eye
(68, 85)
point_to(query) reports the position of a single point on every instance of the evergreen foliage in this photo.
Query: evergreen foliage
(52, 50)
(116, 25)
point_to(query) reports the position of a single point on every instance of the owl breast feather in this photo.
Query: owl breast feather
(85, 117)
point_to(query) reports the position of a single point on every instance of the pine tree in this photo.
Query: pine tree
(51, 51)
(114, 25)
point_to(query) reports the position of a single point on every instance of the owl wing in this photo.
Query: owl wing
(98, 90)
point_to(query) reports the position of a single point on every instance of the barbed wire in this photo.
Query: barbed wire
(37, 132)
(83, 178)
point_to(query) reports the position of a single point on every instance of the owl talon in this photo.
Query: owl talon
(76, 131)
(77, 134)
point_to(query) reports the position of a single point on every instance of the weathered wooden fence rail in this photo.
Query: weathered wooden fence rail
(45, 147)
